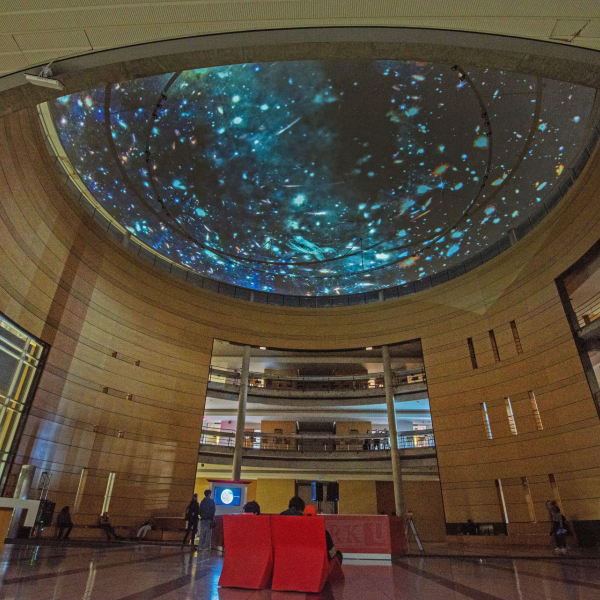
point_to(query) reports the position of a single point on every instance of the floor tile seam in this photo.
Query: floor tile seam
(44, 557)
(457, 587)
(590, 584)
(551, 559)
(101, 589)
(375, 583)
(167, 587)
(14, 580)
(92, 548)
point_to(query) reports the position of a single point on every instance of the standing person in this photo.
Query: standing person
(192, 513)
(471, 528)
(559, 530)
(63, 521)
(108, 528)
(207, 515)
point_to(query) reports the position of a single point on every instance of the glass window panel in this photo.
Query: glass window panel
(8, 366)
(19, 360)
(22, 388)
(12, 334)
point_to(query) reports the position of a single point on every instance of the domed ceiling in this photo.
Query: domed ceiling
(324, 178)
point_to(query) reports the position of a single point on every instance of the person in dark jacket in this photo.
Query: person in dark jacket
(559, 530)
(192, 514)
(63, 521)
(207, 515)
(295, 507)
(108, 528)
(252, 508)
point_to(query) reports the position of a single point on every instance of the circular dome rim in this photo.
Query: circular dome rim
(407, 47)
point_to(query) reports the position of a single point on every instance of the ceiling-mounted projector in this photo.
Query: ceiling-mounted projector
(44, 79)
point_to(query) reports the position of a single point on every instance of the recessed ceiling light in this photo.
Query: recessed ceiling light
(369, 348)
(263, 347)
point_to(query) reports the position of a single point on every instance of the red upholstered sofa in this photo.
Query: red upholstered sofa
(249, 555)
(290, 550)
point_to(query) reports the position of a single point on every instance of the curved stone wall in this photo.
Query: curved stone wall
(66, 281)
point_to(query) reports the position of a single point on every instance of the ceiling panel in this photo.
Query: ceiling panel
(43, 57)
(60, 24)
(52, 40)
(8, 44)
(12, 62)
(538, 28)
(589, 43)
(109, 37)
(592, 29)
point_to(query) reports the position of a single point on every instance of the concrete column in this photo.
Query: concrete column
(391, 410)
(241, 417)
(21, 492)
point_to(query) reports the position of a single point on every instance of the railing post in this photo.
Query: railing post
(241, 417)
(391, 410)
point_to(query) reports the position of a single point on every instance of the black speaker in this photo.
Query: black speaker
(45, 513)
(317, 491)
(333, 491)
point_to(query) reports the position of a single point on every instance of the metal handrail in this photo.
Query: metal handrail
(316, 442)
(262, 380)
(588, 311)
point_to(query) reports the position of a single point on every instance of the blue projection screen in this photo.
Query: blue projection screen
(323, 177)
(228, 496)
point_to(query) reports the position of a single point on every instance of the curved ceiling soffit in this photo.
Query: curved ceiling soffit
(347, 48)
(531, 57)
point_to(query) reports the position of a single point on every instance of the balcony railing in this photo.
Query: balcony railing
(320, 442)
(588, 311)
(317, 382)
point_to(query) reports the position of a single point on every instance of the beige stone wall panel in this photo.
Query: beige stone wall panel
(66, 281)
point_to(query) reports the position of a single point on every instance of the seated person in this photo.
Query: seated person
(108, 528)
(295, 507)
(144, 529)
(332, 551)
(251, 508)
(63, 521)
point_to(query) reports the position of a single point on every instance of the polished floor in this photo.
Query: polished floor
(136, 572)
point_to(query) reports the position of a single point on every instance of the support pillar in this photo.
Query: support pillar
(391, 410)
(21, 492)
(241, 416)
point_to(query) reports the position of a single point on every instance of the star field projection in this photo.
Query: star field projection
(314, 177)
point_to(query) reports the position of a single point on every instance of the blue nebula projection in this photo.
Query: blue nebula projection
(319, 178)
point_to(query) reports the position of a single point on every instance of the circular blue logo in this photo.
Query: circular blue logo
(227, 496)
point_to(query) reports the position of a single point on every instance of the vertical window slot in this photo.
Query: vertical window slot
(108, 494)
(472, 352)
(528, 499)
(554, 489)
(80, 488)
(511, 416)
(536, 412)
(501, 501)
(494, 346)
(516, 337)
(486, 421)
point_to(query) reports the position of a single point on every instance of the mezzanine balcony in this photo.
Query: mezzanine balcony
(367, 453)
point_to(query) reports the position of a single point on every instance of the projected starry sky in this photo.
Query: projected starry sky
(323, 178)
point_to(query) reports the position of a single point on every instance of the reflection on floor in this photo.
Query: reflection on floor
(135, 572)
